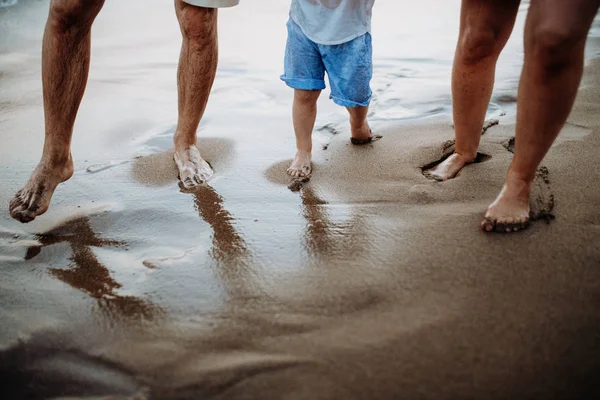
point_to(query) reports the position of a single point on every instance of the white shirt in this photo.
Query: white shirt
(332, 22)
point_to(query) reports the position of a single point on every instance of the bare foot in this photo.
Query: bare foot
(34, 198)
(301, 166)
(362, 135)
(510, 211)
(193, 169)
(448, 169)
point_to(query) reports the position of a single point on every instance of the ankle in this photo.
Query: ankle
(517, 185)
(360, 129)
(184, 141)
(515, 175)
(303, 145)
(57, 160)
(300, 152)
(466, 156)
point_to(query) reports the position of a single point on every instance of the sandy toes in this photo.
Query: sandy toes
(510, 211)
(34, 198)
(193, 169)
(301, 166)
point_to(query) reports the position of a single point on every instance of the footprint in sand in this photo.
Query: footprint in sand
(425, 170)
(448, 150)
(159, 169)
(541, 199)
(277, 174)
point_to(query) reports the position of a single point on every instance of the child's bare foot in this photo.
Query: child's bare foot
(301, 166)
(34, 198)
(449, 168)
(193, 169)
(510, 211)
(362, 135)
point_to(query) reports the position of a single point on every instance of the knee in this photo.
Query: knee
(306, 98)
(478, 44)
(556, 48)
(68, 15)
(197, 23)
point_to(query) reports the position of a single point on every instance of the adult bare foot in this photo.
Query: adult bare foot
(193, 169)
(510, 211)
(449, 168)
(301, 166)
(34, 198)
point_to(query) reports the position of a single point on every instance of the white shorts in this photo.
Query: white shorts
(213, 3)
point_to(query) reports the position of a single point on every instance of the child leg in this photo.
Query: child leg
(304, 115)
(305, 73)
(349, 67)
(359, 126)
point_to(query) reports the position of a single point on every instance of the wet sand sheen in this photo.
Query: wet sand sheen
(371, 282)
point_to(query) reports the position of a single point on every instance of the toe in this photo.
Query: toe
(188, 183)
(201, 178)
(431, 174)
(24, 215)
(500, 227)
(198, 179)
(509, 225)
(487, 224)
(522, 224)
(16, 204)
(17, 199)
(437, 177)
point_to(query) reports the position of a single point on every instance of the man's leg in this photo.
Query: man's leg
(485, 26)
(555, 36)
(196, 74)
(65, 65)
(304, 114)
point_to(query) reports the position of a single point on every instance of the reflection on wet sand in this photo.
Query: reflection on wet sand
(233, 259)
(89, 275)
(325, 238)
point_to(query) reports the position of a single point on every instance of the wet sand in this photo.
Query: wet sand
(371, 282)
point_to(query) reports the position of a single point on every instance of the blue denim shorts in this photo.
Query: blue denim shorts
(349, 67)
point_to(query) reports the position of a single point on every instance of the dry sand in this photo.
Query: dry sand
(372, 282)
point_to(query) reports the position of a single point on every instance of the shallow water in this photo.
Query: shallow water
(245, 269)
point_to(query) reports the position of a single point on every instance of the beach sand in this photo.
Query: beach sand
(370, 282)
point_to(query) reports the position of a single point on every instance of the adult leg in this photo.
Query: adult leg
(555, 36)
(65, 65)
(196, 74)
(485, 26)
(304, 114)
